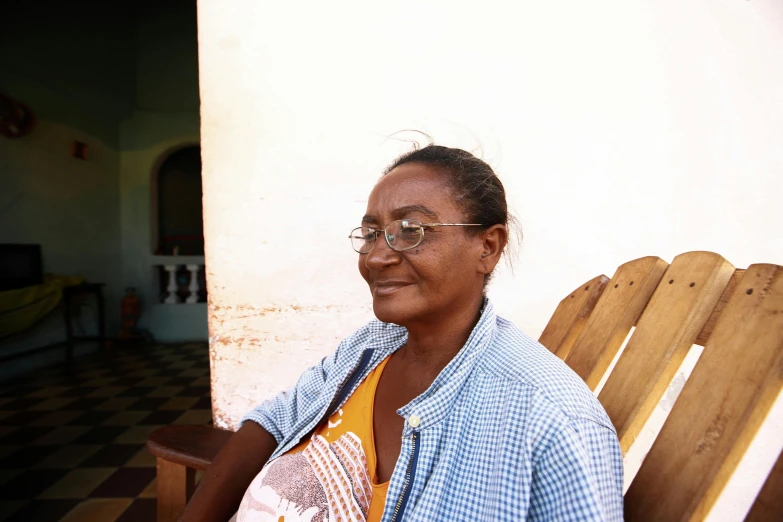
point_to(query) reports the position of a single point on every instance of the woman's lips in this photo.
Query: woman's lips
(388, 288)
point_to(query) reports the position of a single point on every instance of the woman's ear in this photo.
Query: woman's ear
(494, 240)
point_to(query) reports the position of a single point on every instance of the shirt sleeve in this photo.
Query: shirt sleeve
(279, 414)
(579, 476)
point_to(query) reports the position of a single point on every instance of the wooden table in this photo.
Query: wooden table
(69, 293)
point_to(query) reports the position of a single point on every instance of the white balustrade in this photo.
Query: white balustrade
(193, 287)
(172, 297)
(173, 294)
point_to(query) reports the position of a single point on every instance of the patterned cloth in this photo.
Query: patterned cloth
(331, 476)
(505, 432)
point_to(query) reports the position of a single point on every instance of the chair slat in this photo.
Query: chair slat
(616, 312)
(570, 316)
(677, 312)
(729, 393)
(705, 333)
(769, 502)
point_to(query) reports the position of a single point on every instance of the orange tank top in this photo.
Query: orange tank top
(331, 476)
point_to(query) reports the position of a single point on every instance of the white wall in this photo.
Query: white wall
(620, 129)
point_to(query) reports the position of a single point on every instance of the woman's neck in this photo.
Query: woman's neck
(433, 342)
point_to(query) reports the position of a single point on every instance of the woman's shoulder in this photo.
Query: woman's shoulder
(532, 370)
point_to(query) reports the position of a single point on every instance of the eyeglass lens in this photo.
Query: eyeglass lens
(400, 235)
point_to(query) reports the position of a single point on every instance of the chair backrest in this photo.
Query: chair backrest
(700, 298)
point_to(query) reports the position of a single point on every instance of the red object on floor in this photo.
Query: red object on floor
(130, 310)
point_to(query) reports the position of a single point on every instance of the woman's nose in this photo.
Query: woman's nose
(381, 255)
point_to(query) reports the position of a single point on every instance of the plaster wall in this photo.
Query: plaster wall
(70, 207)
(50, 61)
(77, 91)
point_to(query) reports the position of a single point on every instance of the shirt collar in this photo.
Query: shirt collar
(432, 405)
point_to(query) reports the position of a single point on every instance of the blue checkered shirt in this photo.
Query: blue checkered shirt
(507, 431)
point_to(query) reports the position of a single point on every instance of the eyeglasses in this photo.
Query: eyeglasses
(400, 235)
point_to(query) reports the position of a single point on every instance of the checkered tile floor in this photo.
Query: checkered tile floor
(72, 440)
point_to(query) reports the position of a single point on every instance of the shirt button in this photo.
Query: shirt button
(414, 421)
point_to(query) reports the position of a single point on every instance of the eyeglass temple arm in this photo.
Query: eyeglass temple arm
(380, 230)
(451, 224)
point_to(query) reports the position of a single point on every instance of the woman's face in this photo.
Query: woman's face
(444, 273)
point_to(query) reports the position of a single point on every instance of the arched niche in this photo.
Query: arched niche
(176, 209)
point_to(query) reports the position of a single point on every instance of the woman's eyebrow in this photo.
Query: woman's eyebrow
(402, 212)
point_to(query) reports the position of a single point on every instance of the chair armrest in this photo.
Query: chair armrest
(191, 446)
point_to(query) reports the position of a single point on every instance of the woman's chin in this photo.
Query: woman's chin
(391, 310)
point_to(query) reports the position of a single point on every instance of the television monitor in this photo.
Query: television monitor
(20, 266)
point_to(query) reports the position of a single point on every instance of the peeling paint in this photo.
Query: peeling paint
(259, 350)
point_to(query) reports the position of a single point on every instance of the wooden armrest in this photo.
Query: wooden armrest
(191, 446)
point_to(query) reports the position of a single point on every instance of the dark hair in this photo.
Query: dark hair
(476, 187)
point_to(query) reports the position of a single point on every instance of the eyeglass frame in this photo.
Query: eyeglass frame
(421, 235)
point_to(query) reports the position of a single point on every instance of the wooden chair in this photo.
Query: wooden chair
(700, 298)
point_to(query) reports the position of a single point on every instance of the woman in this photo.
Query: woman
(438, 410)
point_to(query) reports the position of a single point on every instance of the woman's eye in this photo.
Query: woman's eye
(409, 232)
